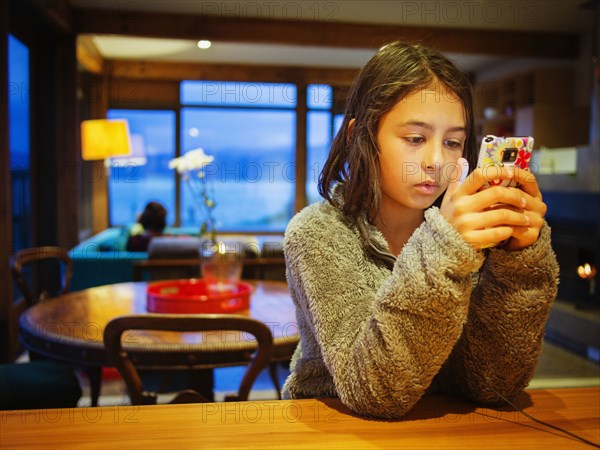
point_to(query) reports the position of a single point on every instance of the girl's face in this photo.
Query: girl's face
(420, 140)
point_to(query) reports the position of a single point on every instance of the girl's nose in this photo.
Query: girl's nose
(432, 157)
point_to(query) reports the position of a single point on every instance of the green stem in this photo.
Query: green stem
(198, 188)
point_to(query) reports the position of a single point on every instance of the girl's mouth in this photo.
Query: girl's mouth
(427, 187)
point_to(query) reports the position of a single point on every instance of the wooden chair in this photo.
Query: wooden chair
(37, 255)
(173, 257)
(154, 269)
(41, 383)
(181, 357)
(253, 268)
(172, 248)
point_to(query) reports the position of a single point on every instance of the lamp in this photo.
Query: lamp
(102, 139)
(587, 271)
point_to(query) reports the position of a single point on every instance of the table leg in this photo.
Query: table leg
(95, 377)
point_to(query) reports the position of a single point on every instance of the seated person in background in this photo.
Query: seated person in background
(153, 221)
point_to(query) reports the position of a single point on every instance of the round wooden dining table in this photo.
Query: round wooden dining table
(70, 327)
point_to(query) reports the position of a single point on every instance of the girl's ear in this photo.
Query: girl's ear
(350, 128)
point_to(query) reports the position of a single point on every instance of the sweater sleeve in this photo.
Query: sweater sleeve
(502, 339)
(382, 357)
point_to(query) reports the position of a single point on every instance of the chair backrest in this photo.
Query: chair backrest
(35, 255)
(175, 356)
(166, 269)
(167, 248)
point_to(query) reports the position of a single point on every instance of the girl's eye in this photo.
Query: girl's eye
(414, 140)
(454, 144)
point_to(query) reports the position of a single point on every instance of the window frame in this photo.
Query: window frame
(300, 154)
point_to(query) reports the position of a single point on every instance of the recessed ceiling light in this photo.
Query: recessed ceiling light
(204, 44)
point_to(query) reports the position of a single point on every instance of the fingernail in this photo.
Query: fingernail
(523, 202)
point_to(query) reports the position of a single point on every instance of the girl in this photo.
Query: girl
(395, 297)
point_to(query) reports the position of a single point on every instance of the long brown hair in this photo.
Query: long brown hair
(397, 70)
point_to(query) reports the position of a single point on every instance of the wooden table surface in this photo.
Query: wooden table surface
(70, 327)
(437, 422)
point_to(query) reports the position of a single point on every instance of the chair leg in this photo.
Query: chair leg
(273, 373)
(95, 377)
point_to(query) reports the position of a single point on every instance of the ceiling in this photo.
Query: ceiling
(518, 15)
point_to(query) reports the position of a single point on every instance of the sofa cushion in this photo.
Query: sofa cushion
(174, 247)
(111, 239)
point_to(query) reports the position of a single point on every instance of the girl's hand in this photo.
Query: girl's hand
(534, 208)
(475, 214)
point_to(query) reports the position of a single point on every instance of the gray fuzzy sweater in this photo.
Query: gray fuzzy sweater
(379, 331)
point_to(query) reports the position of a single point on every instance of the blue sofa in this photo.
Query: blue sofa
(102, 259)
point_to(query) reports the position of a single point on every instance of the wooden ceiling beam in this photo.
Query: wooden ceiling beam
(174, 71)
(327, 34)
(88, 55)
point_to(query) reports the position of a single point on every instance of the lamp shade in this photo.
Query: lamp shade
(102, 139)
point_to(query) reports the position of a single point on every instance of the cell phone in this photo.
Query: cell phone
(505, 151)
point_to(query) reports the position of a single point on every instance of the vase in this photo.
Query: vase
(220, 267)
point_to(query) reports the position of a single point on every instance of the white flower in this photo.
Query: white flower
(194, 159)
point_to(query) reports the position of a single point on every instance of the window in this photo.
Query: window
(19, 146)
(322, 126)
(238, 94)
(147, 177)
(18, 110)
(249, 128)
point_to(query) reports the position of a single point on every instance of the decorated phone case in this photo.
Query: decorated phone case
(505, 151)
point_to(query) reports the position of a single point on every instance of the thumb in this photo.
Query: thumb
(458, 175)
